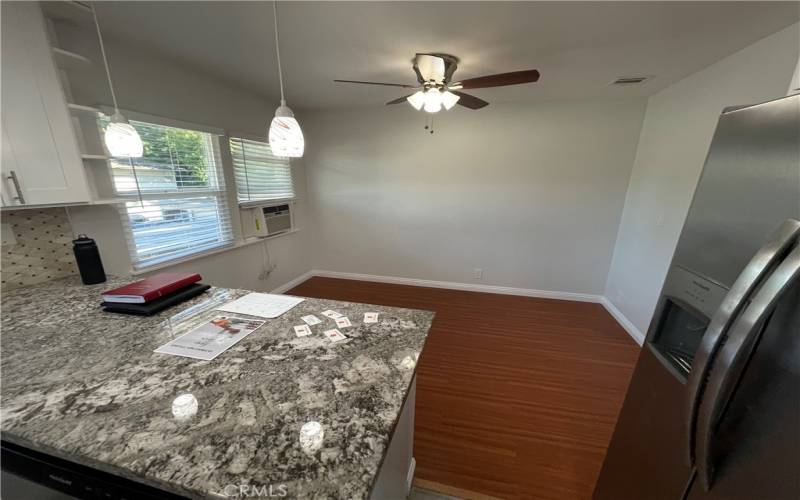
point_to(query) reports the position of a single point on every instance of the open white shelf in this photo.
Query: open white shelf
(108, 201)
(70, 60)
(76, 13)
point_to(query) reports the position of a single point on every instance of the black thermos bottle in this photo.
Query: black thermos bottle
(88, 258)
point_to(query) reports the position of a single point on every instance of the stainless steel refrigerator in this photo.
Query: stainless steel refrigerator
(713, 408)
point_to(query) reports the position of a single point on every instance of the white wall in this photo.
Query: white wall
(675, 136)
(147, 83)
(232, 268)
(532, 194)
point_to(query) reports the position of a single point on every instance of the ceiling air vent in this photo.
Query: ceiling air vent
(630, 80)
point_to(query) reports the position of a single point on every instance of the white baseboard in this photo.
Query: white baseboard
(410, 477)
(293, 283)
(629, 327)
(469, 287)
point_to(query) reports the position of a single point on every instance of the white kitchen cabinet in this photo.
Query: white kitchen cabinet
(41, 160)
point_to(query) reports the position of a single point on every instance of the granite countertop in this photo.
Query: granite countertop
(85, 385)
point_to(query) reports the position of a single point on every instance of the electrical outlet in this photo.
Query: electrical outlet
(477, 273)
(264, 274)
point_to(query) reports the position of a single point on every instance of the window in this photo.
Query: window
(178, 205)
(260, 175)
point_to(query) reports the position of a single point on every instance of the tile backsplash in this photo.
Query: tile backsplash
(43, 247)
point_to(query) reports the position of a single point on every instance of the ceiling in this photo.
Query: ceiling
(579, 47)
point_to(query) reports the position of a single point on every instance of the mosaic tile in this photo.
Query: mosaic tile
(43, 250)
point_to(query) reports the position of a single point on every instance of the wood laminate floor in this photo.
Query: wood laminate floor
(517, 397)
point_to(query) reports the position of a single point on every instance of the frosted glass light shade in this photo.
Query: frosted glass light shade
(416, 99)
(449, 99)
(285, 135)
(122, 139)
(433, 101)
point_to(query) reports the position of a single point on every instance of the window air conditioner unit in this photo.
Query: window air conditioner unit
(269, 220)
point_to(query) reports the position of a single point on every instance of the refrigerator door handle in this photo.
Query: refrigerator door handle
(725, 315)
(733, 356)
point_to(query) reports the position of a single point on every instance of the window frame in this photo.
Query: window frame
(222, 194)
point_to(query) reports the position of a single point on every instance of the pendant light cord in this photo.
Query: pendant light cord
(277, 49)
(105, 59)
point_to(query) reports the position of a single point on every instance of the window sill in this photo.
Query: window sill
(239, 244)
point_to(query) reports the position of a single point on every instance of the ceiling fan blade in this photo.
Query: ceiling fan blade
(379, 83)
(398, 100)
(469, 101)
(499, 80)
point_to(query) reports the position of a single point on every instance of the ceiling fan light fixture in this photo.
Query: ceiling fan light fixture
(417, 100)
(436, 88)
(449, 99)
(433, 101)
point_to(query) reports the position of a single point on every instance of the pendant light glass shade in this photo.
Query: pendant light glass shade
(122, 139)
(285, 135)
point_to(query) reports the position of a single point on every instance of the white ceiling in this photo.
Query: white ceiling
(579, 47)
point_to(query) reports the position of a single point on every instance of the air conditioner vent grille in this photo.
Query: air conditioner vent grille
(630, 80)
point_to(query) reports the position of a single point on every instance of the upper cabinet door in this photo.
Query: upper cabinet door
(41, 162)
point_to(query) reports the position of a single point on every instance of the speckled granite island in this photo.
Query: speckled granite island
(84, 385)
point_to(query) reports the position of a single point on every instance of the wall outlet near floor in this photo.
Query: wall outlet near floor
(477, 273)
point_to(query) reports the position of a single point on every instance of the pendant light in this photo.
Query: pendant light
(285, 136)
(121, 138)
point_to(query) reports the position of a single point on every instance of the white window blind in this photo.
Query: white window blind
(260, 175)
(177, 204)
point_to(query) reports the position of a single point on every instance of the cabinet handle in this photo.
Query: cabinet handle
(19, 197)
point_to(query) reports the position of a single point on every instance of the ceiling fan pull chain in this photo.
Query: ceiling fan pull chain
(431, 124)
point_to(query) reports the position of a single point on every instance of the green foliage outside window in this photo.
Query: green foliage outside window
(184, 151)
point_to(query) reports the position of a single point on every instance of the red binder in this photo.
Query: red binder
(151, 288)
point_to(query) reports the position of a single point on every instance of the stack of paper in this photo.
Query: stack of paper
(264, 305)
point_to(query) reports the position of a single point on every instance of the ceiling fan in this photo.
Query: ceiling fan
(436, 90)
